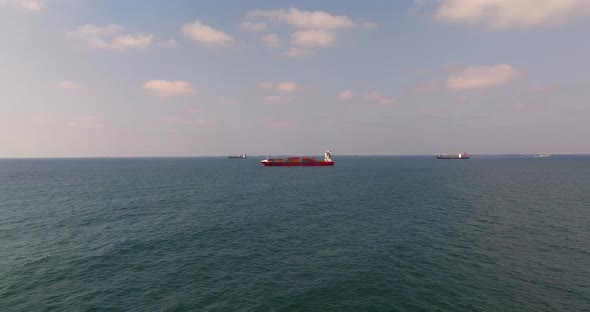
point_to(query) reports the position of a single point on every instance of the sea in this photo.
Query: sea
(372, 233)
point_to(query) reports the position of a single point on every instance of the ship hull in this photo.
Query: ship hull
(452, 157)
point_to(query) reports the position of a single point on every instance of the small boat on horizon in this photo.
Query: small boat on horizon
(241, 156)
(463, 155)
(296, 161)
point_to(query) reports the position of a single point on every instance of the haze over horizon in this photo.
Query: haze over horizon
(185, 78)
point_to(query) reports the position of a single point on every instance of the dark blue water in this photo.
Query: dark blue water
(370, 234)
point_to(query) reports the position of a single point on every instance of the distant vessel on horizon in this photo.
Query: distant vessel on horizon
(463, 155)
(241, 156)
(543, 155)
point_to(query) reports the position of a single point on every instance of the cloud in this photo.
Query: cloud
(345, 95)
(272, 41)
(306, 42)
(110, 37)
(307, 19)
(254, 26)
(170, 43)
(166, 88)
(68, 85)
(511, 13)
(89, 30)
(481, 77)
(379, 98)
(277, 99)
(313, 38)
(285, 86)
(206, 34)
(314, 29)
(28, 5)
(123, 42)
(374, 96)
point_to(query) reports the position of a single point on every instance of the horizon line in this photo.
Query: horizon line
(260, 155)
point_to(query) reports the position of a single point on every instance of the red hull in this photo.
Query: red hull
(297, 164)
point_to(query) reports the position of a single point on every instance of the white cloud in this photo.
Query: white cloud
(170, 43)
(89, 30)
(345, 95)
(306, 42)
(123, 42)
(313, 38)
(69, 85)
(314, 29)
(285, 86)
(379, 98)
(28, 5)
(511, 13)
(481, 77)
(374, 96)
(277, 99)
(306, 19)
(206, 34)
(254, 26)
(166, 88)
(272, 41)
(110, 37)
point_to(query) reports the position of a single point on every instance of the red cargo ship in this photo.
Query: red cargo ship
(304, 161)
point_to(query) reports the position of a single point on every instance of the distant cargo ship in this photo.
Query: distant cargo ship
(453, 156)
(242, 156)
(304, 161)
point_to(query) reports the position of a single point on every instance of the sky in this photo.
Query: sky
(82, 78)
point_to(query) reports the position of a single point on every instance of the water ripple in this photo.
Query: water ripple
(370, 234)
